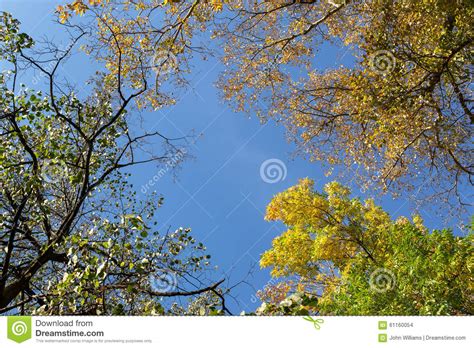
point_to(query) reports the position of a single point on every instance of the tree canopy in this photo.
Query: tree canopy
(399, 116)
(74, 235)
(344, 256)
(75, 239)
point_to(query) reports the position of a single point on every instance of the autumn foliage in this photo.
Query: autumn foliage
(356, 260)
(398, 118)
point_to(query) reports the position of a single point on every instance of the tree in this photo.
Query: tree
(344, 256)
(400, 115)
(410, 76)
(74, 238)
(145, 40)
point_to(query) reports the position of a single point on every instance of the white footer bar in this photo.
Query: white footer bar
(236, 331)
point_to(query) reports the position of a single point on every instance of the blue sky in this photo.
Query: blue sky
(219, 193)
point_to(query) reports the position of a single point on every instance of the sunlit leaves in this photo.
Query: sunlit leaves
(400, 114)
(357, 260)
(73, 228)
(132, 37)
